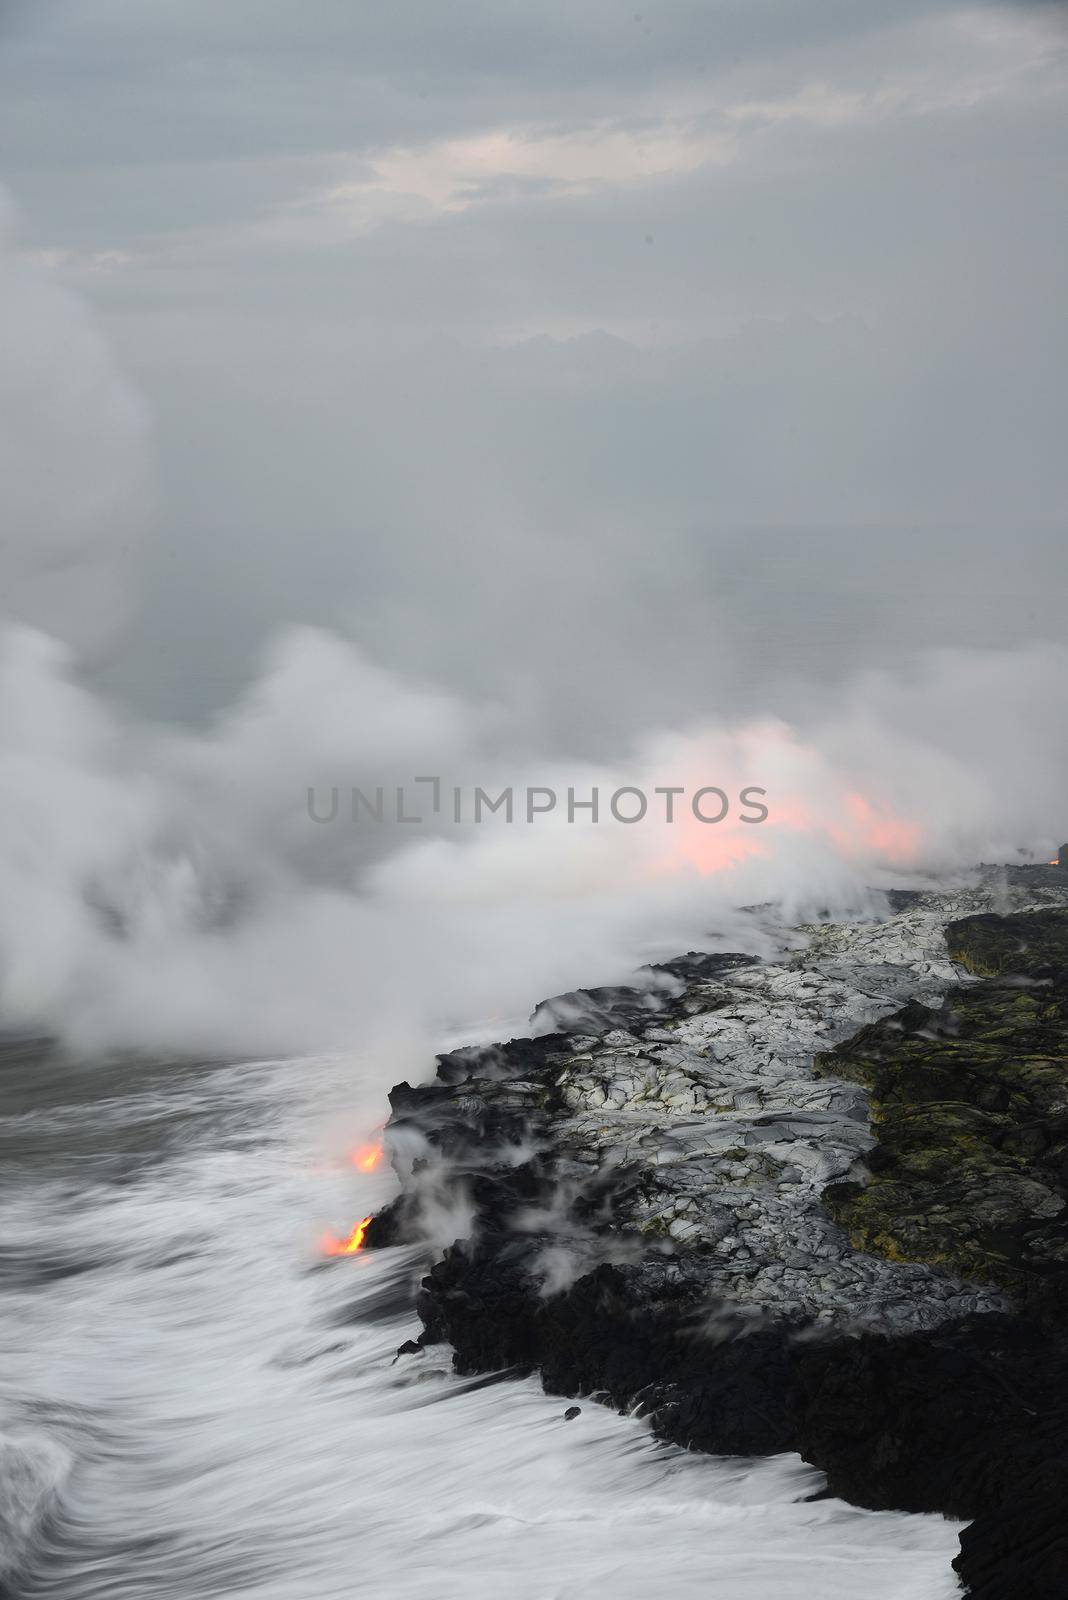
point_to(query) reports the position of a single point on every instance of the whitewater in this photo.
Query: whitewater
(195, 1403)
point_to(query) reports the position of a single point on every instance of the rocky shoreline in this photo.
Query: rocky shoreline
(818, 1203)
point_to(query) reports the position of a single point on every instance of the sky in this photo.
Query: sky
(615, 365)
(565, 394)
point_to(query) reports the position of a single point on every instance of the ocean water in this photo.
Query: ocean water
(194, 1403)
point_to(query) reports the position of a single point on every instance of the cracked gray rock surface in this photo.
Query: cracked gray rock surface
(724, 1135)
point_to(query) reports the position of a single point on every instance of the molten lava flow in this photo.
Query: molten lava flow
(333, 1246)
(367, 1157)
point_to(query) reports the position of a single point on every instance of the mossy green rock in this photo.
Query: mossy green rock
(970, 1105)
(1030, 944)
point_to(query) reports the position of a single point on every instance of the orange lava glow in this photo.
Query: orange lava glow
(333, 1246)
(367, 1157)
(858, 828)
(710, 852)
(875, 827)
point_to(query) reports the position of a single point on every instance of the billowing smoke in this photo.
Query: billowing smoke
(171, 889)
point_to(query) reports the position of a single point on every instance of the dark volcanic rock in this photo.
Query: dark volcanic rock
(1020, 1551)
(945, 1421)
(971, 1420)
(646, 1214)
(970, 1104)
(629, 1335)
(1033, 943)
(598, 1011)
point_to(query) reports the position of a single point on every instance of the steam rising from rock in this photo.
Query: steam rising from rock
(168, 889)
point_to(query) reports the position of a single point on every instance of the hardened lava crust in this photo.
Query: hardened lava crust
(817, 1203)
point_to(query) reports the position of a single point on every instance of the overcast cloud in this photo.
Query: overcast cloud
(615, 364)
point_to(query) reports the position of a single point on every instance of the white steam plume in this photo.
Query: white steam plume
(168, 890)
(171, 890)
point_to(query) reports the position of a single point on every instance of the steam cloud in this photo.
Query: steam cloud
(165, 888)
(169, 890)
